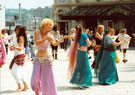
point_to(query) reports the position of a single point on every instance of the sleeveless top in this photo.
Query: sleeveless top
(98, 42)
(17, 52)
(44, 46)
(82, 41)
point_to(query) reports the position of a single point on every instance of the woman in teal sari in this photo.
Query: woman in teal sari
(106, 59)
(79, 69)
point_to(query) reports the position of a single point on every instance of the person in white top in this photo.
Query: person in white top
(5, 39)
(28, 37)
(17, 63)
(125, 45)
(56, 35)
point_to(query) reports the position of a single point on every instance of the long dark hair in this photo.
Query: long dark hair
(55, 27)
(78, 32)
(22, 33)
(17, 27)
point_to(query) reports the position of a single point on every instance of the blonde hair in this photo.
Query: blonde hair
(72, 29)
(112, 31)
(99, 27)
(46, 21)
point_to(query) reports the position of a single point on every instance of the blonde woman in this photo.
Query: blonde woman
(97, 41)
(42, 80)
(73, 31)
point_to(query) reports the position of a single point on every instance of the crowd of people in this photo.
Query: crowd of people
(102, 41)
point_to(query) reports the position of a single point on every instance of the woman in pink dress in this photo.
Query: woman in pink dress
(42, 80)
(2, 52)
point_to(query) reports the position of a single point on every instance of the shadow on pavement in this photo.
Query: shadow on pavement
(6, 92)
(67, 88)
(95, 84)
(131, 81)
(129, 69)
(62, 60)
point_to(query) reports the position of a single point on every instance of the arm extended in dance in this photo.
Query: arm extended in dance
(21, 44)
(117, 44)
(54, 43)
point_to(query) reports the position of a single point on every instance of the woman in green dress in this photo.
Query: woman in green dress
(79, 70)
(107, 71)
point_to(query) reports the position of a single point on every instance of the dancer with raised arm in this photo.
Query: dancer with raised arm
(79, 68)
(107, 67)
(42, 80)
(17, 63)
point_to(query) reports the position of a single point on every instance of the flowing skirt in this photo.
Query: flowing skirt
(42, 80)
(82, 75)
(17, 72)
(108, 71)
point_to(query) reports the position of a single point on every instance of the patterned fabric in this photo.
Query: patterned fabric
(43, 59)
(19, 60)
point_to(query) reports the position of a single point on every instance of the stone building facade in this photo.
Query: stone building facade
(117, 14)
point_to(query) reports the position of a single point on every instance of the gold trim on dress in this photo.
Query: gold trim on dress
(43, 59)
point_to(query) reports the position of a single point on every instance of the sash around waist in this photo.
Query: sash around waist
(109, 49)
(43, 59)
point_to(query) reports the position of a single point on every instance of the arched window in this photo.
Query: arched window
(61, 11)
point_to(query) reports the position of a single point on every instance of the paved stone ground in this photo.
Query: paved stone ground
(125, 86)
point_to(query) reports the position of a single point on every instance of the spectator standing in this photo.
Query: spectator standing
(33, 49)
(5, 39)
(125, 45)
(56, 35)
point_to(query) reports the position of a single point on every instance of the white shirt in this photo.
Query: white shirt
(5, 39)
(56, 35)
(28, 37)
(125, 45)
(14, 42)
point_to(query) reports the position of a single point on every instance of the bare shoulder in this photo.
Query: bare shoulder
(36, 32)
(21, 37)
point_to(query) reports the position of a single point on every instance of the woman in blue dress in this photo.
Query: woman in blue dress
(79, 70)
(107, 69)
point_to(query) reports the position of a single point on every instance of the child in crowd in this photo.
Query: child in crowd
(27, 50)
(33, 48)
